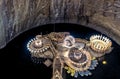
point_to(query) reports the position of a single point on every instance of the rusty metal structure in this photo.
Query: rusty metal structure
(61, 50)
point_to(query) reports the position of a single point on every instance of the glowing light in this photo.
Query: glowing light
(104, 62)
(93, 58)
(38, 42)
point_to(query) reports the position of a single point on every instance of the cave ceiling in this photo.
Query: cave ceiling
(17, 16)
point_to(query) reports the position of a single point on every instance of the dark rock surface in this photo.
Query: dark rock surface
(17, 16)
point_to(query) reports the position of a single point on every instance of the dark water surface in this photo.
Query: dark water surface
(15, 59)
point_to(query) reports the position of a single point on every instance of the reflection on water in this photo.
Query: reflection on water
(15, 58)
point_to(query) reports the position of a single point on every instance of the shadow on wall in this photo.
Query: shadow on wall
(15, 58)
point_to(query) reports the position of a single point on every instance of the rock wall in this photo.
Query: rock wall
(17, 16)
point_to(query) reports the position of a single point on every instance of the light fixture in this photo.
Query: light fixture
(61, 50)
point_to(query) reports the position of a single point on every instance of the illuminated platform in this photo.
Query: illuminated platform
(76, 55)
